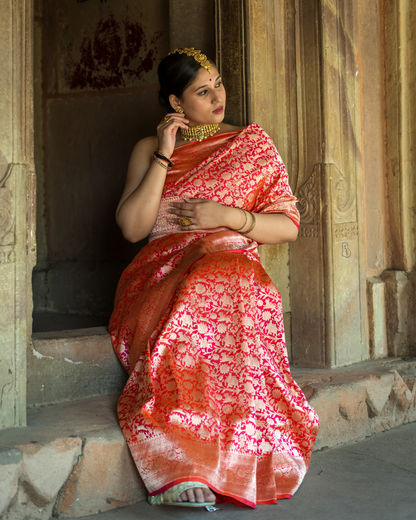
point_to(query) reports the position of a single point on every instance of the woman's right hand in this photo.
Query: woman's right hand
(166, 132)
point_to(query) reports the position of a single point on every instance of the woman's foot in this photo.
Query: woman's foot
(196, 495)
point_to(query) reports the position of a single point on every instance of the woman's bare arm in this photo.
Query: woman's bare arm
(272, 228)
(139, 204)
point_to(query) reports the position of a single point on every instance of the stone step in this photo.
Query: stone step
(72, 364)
(72, 460)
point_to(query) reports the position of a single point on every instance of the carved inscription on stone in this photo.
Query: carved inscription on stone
(346, 251)
(7, 257)
(346, 232)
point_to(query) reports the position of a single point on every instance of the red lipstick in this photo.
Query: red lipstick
(219, 110)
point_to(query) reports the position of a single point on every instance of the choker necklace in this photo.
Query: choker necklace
(199, 132)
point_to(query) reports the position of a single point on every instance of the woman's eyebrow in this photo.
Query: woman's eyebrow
(203, 86)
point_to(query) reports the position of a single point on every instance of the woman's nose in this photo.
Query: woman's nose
(217, 98)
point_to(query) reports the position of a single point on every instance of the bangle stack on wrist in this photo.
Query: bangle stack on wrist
(162, 160)
(245, 220)
(253, 222)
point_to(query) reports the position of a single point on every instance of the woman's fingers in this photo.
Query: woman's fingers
(167, 130)
(194, 200)
(204, 213)
(181, 207)
(172, 118)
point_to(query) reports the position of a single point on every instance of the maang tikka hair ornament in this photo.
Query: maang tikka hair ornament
(196, 55)
(198, 132)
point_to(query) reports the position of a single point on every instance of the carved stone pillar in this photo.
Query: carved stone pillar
(17, 192)
(327, 262)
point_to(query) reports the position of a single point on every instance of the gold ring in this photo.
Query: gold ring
(166, 119)
(184, 221)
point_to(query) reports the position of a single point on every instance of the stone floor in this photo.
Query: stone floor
(374, 479)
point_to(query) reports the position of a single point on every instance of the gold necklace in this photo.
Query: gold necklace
(199, 132)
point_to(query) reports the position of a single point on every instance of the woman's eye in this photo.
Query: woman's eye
(202, 92)
(218, 84)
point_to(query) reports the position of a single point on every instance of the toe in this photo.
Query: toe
(191, 495)
(209, 495)
(199, 495)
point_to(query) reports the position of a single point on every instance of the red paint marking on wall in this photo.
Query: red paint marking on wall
(108, 48)
(116, 51)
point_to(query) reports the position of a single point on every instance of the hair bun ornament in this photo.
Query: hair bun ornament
(197, 55)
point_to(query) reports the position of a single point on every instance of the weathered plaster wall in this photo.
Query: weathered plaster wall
(96, 96)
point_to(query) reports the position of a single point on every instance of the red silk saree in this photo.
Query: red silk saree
(198, 325)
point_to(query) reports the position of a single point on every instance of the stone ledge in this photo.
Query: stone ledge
(359, 400)
(72, 459)
(83, 356)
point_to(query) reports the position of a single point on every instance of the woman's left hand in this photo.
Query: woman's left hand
(203, 213)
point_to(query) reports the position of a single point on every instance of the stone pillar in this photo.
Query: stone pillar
(400, 73)
(327, 262)
(231, 57)
(17, 191)
(400, 138)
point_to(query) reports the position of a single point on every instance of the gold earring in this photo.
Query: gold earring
(179, 110)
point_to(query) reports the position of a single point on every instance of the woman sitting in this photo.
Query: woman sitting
(210, 405)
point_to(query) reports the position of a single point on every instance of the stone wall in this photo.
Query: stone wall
(95, 97)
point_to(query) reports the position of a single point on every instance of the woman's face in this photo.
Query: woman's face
(204, 100)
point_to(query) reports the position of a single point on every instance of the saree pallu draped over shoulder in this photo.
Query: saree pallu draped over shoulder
(198, 325)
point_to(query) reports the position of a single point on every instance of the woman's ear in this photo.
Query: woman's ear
(174, 102)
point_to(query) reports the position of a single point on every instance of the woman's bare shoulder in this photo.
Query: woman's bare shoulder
(146, 145)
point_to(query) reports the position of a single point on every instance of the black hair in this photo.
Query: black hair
(176, 72)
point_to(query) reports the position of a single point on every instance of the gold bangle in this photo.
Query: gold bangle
(161, 163)
(252, 225)
(245, 220)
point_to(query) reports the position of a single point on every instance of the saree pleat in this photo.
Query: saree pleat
(198, 325)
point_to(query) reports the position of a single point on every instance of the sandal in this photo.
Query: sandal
(169, 497)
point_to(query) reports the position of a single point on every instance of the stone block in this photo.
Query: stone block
(9, 475)
(343, 415)
(378, 389)
(85, 357)
(46, 468)
(105, 477)
(91, 346)
(400, 305)
(24, 508)
(376, 317)
(403, 394)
